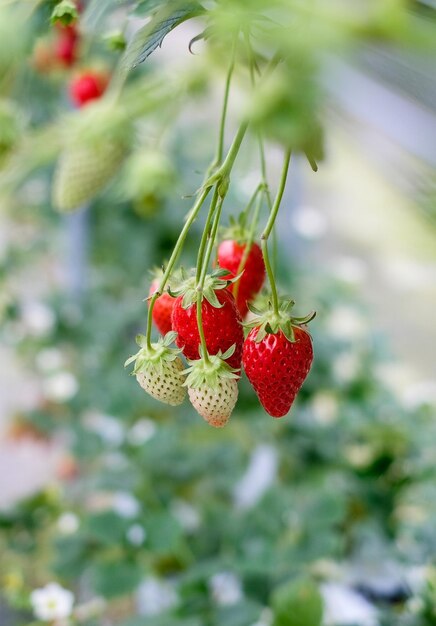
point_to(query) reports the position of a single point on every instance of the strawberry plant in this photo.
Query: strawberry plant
(225, 526)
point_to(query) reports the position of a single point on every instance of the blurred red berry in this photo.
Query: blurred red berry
(87, 86)
(66, 45)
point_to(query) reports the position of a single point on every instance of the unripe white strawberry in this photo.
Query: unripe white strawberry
(158, 369)
(212, 387)
(95, 143)
(215, 404)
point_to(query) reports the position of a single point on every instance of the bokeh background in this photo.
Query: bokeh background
(147, 515)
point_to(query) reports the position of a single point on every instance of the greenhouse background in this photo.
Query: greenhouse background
(139, 513)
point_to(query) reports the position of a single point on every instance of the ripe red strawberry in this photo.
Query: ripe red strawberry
(87, 86)
(230, 255)
(163, 308)
(221, 320)
(66, 45)
(277, 357)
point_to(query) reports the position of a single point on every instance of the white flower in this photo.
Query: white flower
(226, 588)
(419, 394)
(68, 523)
(343, 606)
(187, 516)
(125, 504)
(60, 387)
(141, 432)
(52, 602)
(136, 535)
(309, 223)
(350, 269)
(49, 359)
(406, 275)
(258, 477)
(38, 318)
(346, 323)
(155, 596)
(105, 426)
(346, 367)
(325, 407)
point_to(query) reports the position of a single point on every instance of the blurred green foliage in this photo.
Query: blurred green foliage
(158, 494)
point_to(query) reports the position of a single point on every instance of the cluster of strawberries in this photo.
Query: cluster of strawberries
(62, 51)
(276, 354)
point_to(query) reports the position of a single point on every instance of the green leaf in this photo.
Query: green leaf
(64, 13)
(297, 603)
(163, 533)
(151, 36)
(107, 527)
(115, 578)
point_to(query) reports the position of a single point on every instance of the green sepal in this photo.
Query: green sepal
(213, 282)
(65, 12)
(155, 356)
(209, 372)
(269, 322)
(237, 230)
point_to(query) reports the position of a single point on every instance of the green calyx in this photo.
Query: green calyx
(211, 370)
(191, 292)
(158, 273)
(269, 322)
(237, 230)
(155, 357)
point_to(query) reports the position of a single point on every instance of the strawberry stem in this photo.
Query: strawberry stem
(220, 149)
(268, 228)
(174, 256)
(249, 243)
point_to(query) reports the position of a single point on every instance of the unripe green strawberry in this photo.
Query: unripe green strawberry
(212, 387)
(159, 370)
(95, 146)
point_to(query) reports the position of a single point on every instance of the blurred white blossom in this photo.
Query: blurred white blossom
(226, 588)
(155, 596)
(350, 269)
(346, 323)
(187, 516)
(346, 367)
(105, 426)
(325, 407)
(419, 394)
(136, 535)
(309, 222)
(68, 523)
(60, 387)
(343, 606)
(49, 359)
(125, 504)
(37, 318)
(52, 602)
(259, 476)
(141, 432)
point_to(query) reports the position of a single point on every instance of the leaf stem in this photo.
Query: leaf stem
(269, 226)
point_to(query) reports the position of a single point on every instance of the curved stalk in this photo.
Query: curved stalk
(174, 256)
(268, 228)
